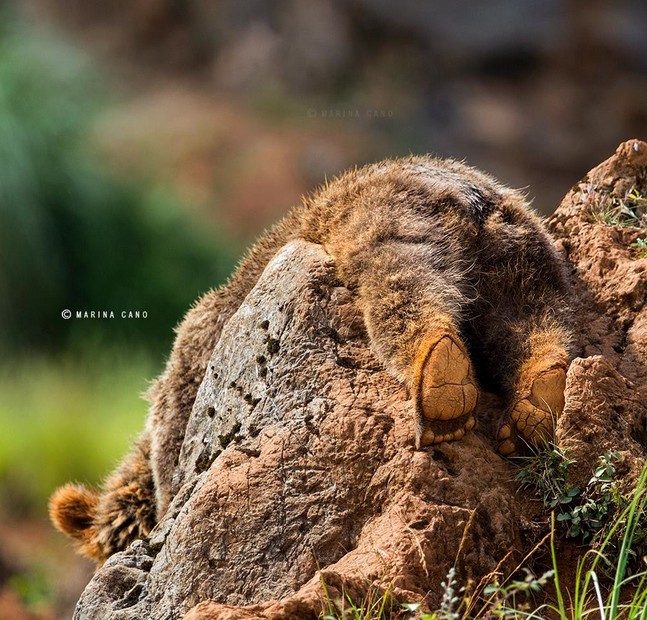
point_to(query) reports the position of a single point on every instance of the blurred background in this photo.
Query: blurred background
(144, 145)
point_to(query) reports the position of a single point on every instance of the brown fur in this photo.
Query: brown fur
(71, 509)
(430, 247)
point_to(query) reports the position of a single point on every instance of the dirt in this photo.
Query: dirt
(306, 484)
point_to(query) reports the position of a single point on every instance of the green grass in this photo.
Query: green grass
(583, 513)
(627, 595)
(67, 419)
(545, 472)
(629, 210)
(376, 605)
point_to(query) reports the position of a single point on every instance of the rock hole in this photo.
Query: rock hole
(204, 460)
(226, 439)
(273, 345)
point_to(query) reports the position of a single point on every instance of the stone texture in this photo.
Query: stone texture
(606, 393)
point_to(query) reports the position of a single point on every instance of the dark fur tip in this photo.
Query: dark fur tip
(72, 509)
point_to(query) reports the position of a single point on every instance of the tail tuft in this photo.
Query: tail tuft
(72, 509)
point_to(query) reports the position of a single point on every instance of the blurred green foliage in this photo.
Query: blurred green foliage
(33, 587)
(72, 234)
(65, 421)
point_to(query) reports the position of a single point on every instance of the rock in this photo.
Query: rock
(299, 478)
(606, 393)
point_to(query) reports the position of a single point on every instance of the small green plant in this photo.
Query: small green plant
(636, 199)
(545, 471)
(598, 502)
(609, 215)
(627, 596)
(640, 247)
(613, 211)
(495, 600)
(450, 600)
(504, 601)
(583, 514)
(453, 599)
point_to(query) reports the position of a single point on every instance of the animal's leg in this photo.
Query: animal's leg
(412, 312)
(538, 391)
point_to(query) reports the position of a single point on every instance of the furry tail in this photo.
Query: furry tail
(72, 509)
(107, 522)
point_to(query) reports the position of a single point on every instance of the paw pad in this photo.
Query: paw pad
(447, 392)
(532, 417)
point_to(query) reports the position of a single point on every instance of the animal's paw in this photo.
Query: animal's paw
(538, 402)
(444, 388)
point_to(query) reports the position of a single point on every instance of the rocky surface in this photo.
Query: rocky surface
(299, 471)
(607, 390)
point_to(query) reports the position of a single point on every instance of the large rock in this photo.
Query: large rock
(607, 390)
(299, 474)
